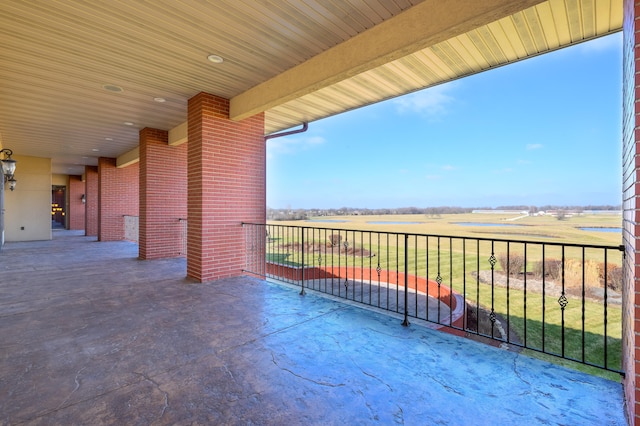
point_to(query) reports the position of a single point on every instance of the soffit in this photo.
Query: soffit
(56, 55)
(551, 25)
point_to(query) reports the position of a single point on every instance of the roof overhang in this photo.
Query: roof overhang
(297, 61)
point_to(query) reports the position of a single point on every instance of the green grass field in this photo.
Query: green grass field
(454, 260)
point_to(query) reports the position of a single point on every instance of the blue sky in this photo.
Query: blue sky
(546, 130)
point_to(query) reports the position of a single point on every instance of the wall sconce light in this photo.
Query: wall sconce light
(8, 168)
(83, 199)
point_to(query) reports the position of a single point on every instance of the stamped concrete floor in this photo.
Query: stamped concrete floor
(90, 335)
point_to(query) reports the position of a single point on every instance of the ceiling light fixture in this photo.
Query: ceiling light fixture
(215, 59)
(160, 100)
(128, 123)
(108, 139)
(112, 88)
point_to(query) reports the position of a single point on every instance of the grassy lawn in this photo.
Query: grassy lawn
(457, 261)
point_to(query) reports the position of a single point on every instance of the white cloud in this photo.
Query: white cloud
(533, 146)
(433, 177)
(292, 145)
(432, 102)
(448, 167)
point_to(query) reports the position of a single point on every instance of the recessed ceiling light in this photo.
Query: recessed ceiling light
(128, 123)
(160, 100)
(112, 88)
(108, 139)
(95, 150)
(215, 59)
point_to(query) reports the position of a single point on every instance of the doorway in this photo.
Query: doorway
(58, 207)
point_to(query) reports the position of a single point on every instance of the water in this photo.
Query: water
(618, 230)
(486, 224)
(382, 222)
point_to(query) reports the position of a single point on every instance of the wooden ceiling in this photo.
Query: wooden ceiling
(298, 60)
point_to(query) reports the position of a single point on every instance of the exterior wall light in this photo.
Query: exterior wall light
(83, 199)
(8, 167)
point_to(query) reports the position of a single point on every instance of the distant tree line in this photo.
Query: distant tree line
(534, 209)
(302, 214)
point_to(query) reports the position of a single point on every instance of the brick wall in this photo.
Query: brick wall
(163, 195)
(631, 215)
(117, 196)
(227, 185)
(91, 208)
(76, 213)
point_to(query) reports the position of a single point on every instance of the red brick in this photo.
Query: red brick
(76, 213)
(226, 186)
(163, 195)
(631, 190)
(117, 197)
(91, 208)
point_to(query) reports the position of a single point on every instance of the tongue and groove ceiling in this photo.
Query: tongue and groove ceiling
(296, 60)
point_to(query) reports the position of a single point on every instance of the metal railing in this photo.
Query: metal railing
(554, 298)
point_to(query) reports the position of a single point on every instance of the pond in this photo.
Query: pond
(486, 224)
(382, 222)
(594, 229)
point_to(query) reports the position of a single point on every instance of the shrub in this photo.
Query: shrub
(335, 239)
(552, 269)
(614, 276)
(512, 263)
(573, 274)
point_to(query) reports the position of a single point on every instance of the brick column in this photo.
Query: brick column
(631, 214)
(163, 195)
(227, 186)
(76, 213)
(117, 196)
(91, 208)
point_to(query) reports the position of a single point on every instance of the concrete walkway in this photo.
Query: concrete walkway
(90, 335)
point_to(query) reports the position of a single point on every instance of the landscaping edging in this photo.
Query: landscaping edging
(444, 294)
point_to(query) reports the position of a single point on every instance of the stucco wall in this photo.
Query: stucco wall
(29, 206)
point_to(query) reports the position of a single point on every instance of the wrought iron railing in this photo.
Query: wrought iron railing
(554, 298)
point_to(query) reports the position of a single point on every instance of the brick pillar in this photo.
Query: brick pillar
(76, 213)
(227, 186)
(91, 208)
(631, 214)
(163, 195)
(117, 197)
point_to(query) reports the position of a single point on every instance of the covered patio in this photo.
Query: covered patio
(82, 344)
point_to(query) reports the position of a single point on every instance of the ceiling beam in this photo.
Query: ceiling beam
(417, 28)
(177, 136)
(128, 158)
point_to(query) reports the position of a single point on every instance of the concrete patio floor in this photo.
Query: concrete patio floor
(90, 335)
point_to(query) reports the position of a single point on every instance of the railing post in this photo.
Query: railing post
(302, 292)
(406, 281)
